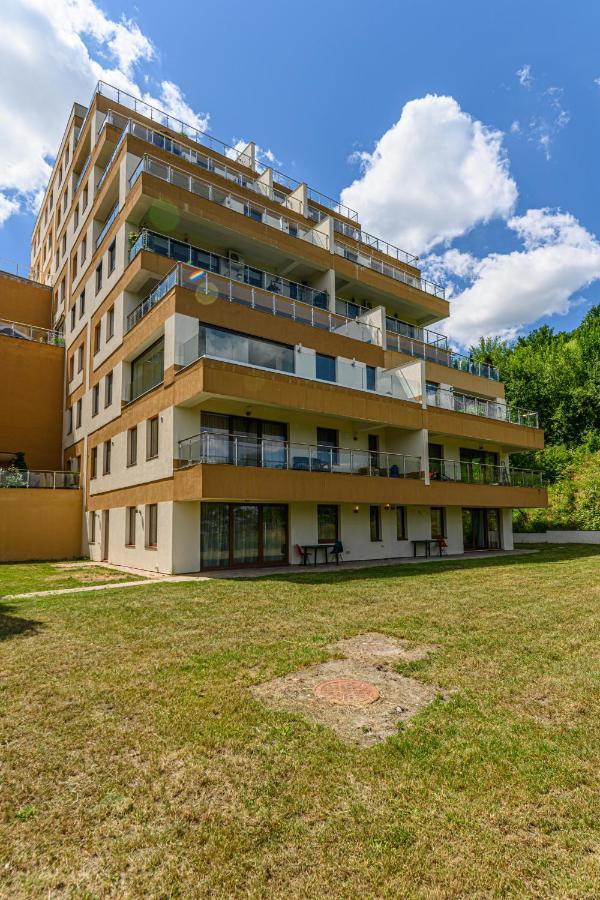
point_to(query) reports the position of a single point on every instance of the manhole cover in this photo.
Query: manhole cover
(347, 692)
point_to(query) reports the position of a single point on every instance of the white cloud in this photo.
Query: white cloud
(507, 291)
(432, 176)
(524, 76)
(8, 206)
(59, 49)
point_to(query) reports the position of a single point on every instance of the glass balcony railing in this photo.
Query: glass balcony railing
(151, 375)
(31, 333)
(233, 450)
(12, 477)
(229, 200)
(355, 255)
(441, 355)
(477, 406)
(375, 243)
(482, 473)
(81, 175)
(111, 218)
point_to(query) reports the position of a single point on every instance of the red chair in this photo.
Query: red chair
(441, 545)
(303, 553)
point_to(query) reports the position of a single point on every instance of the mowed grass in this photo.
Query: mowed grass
(23, 578)
(136, 764)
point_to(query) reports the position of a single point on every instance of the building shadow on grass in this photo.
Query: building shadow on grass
(12, 626)
(555, 553)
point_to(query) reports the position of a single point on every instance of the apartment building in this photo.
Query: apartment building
(248, 372)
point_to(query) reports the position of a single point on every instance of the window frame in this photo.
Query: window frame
(152, 438)
(330, 360)
(132, 446)
(151, 530)
(130, 526)
(375, 532)
(321, 506)
(106, 457)
(401, 524)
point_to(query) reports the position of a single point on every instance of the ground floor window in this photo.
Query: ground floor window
(375, 523)
(328, 523)
(243, 534)
(92, 528)
(438, 522)
(152, 525)
(401, 523)
(130, 526)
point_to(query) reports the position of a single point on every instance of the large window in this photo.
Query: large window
(325, 367)
(243, 534)
(148, 369)
(375, 523)
(327, 447)
(436, 461)
(327, 523)
(244, 441)
(152, 438)
(438, 522)
(132, 446)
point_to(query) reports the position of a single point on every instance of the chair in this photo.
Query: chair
(441, 545)
(301, 462)
(337, 550)
(302, 552)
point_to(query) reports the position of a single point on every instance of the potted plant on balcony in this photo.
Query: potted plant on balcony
(12, 477)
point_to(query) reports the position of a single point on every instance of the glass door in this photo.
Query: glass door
(481, 529)
(245, 549)
(274, 534)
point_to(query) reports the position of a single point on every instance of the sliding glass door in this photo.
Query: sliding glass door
(481, 529)
(243, 534)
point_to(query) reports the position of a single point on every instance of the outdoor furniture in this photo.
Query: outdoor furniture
(314, 548)
(427, 542)
(303, 552)
(337, 550)
(301, 462)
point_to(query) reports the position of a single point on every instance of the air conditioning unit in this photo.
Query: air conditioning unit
(235, 257)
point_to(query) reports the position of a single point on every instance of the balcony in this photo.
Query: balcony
(223, 288)
(111, 218)
(482, 473)
(31, 333)
(353, 254)
(369, 240)
(27, 478)
(218, 449)
(248, 208)
(476, 406)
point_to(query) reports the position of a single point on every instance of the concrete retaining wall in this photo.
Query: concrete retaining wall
(559, 537)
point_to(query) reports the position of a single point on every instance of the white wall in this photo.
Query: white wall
(559, 537)
(139, 556)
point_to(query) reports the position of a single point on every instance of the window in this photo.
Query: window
(112, 256)
(71, 367)
(401, 533)
(99, 277)
(97, 338)
(106, 458)
(65, 200)
(108, 389)
(327, 523)
(325, 367)
(94, 462)
(78, 416)
(132, 446)
(375, 523)
(130, 526)
(92, 528)
(74, 265)
(110, 323)
(76, 219)
(95, 399)
(438, 522)
(84, 197)
(63, 248)
(73, 312)
(151, 525)
(147, 370)
(327, 448)
(70, 420)
(83, 250)
(80, 358)
(152, 438)
(81, 303)
(371, 380)
(56, 260)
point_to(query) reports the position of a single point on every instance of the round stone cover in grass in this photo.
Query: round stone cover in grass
(347, 692)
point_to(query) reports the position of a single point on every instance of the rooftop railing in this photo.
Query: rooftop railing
(477, 406)
(483, 473)
(233, 450)
(372, 262)
(13, 477)
(228, 199)
(31, 333)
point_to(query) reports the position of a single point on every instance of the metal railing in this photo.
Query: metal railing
(242, 205)
(112, 158)
(355, 255)
(443, 356)
(12, 477)
(477, 406)
(219, 449)
(111, 218)
(83, 171)
(483, 473)
(219, 287)
(363, 237)
(31, 333)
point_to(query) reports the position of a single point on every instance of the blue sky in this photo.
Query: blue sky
(316, 82)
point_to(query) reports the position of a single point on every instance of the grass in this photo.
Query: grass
(23, 578)
(136, 764)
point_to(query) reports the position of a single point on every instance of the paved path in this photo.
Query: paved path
(161, 579)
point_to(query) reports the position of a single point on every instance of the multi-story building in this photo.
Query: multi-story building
(248, 372)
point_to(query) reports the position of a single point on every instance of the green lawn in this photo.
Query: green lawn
(22, 578)
(136, 764)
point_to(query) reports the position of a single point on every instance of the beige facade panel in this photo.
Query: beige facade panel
(40, 524)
